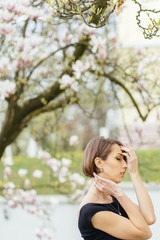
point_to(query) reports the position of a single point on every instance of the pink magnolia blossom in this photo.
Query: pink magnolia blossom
(6, 88)
(66, 81)
(27, 183)
(31, 209)
(86, 30)
(44, 155)
(8, 192)
(22, 63)
(80, 68)
(10, 5)
(30, 196)
(7, 172)
(21, 194)
(38, 233)
(63, 174)
(6, 16)
(55, 165)
(47, 234)
(139, 130)
(12, 204)
(102, 54)
(98, 43)
(76, 178)
(9, 189)
(77, 194)
(4, 64)
(6, 29)
(44, 73)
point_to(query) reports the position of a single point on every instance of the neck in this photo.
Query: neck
(98, 194)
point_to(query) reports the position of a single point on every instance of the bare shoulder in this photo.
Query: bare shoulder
(84, 202)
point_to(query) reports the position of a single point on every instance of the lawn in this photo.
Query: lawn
(149, 170)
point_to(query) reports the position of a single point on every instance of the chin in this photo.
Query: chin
(117, 181)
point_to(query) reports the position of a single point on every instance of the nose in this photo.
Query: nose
(124, 164)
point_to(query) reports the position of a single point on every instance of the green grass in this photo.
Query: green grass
(149, 170)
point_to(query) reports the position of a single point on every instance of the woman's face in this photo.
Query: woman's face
(114, 167)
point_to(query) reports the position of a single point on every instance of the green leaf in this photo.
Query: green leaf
(90, 18)
(74, 12)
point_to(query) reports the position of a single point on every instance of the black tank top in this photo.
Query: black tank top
(88, 232)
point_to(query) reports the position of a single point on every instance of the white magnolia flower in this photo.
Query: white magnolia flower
(6, 87)
(98, 42)
(21, 194)
(66, 162)
(22, 172)
(8, 192)
(47, 234)
(31, 209)
(7, 161)
(6, 16)
(78, 68)
(54, 164)
(37, 173)
(75, 86)
(76, 178)
(43, 155)
(73, 141)
(77, 194)
(10, 185)
(12, 204)
(66, 81)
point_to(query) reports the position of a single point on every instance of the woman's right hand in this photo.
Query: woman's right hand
(107, 186)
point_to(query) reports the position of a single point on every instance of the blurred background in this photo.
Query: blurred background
(63, 82)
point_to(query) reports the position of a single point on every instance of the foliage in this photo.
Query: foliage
(48, 66)
(95, 13)
(149, 169)
(42, 185)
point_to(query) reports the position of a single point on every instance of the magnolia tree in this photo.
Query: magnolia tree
(26, 197)
(95, 13)
(45, 66)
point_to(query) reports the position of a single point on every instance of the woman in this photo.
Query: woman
(106, 213)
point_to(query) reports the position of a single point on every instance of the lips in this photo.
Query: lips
(122, 173)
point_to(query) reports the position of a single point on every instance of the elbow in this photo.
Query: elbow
(151, 220)
(148, 234)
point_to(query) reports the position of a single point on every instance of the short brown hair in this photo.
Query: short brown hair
(97, 147)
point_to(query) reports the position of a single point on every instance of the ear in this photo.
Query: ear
(98, 162)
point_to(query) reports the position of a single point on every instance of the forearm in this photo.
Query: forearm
(144, 200)
(134, 214)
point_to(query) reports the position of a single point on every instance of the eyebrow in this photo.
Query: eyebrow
(119, 154)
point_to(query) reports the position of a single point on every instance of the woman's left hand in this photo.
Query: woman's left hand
(131, 157)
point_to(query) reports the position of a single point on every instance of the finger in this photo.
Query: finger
(99, 187)
(128, 146)
(100, 178)
(125, 154)
(125, 148)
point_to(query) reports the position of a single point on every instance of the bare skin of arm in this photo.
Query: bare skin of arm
(136, 227)
(118, 226)
(144, 200)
